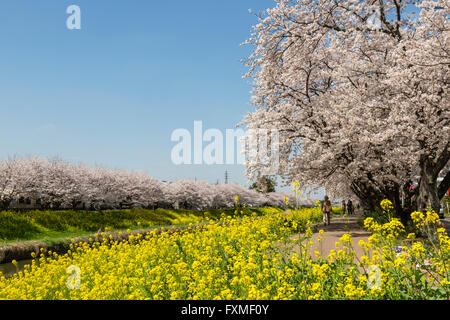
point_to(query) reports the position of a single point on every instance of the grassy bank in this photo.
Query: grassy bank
(54, 226)
(244, 258)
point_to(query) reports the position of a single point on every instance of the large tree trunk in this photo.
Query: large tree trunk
(409, 204)
(393, 194)
(428, 191)
(367, 195)
(427, 195)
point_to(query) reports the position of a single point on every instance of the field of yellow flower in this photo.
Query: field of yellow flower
(243, 258)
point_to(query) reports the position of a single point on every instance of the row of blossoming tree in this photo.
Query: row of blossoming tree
(60, 184)
(359, 91)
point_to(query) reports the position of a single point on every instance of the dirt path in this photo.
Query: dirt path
(333, 232)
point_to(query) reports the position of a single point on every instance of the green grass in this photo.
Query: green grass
(59, 226)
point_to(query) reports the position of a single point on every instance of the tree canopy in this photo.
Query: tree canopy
(359, 93)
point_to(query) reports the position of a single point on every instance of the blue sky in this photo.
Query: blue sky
(113, 92)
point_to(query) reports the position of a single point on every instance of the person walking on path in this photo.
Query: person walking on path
(350, 207)
(326, 210)
(343, 206)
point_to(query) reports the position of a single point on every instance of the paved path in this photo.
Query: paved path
(333, 232)
(340, 226)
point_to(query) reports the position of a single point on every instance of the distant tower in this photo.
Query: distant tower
(226, 177)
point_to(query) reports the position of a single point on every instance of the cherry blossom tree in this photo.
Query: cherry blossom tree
(9, 182)
(58, 184)
(359, 93)
(190, 194)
